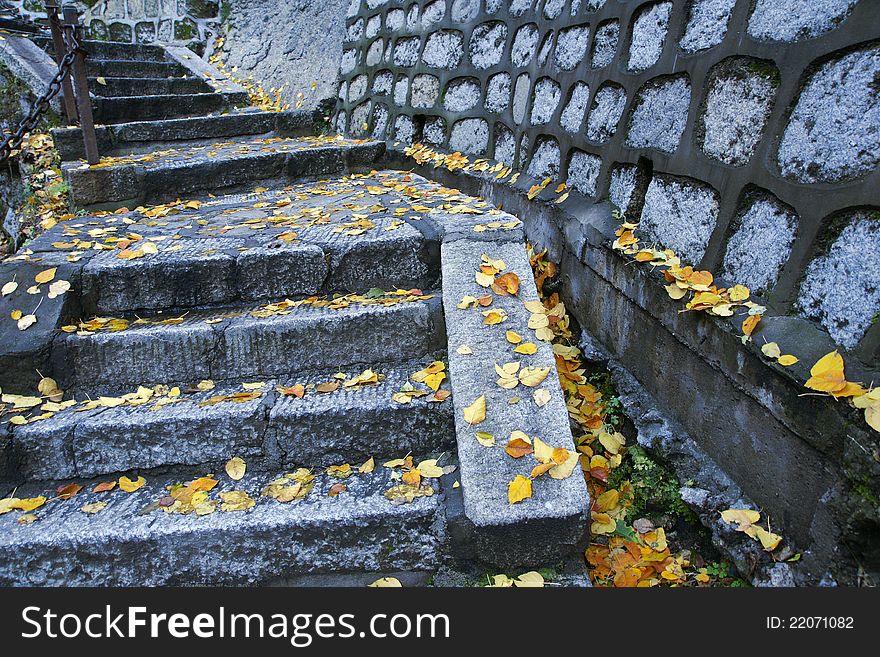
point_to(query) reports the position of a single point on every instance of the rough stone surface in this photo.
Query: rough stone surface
(841, 287)
(525, 45)
(762, 242)
(406, 51)
(305, 51)
(707, 24)
(608, 106)
(435, 130)
(648, 36)
(545, 160)
(792, 20)
(547, 97)
(572, 116)
(834, 130)
(622, 187)
(487, 44)
(680, 214)
(505, 144)
(359, 530)
(498, 93)
(469, 136)
(659, 117)
(557, 508)
(425, 91)
(443, 49)
(737, 107)
(404, 129)
(462, 94)
(571, 46)
(521, 97)
(605, 44)
(583, 172)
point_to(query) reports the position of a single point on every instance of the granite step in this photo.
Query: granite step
(102, 50)
(146, 136)
(129, 68)
(124, 109)
(174, 173)
(249, 342)
(197, 264)
(131, 543)
(148, 86)
(269, 429)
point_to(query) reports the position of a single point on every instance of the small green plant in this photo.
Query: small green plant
(654, 488)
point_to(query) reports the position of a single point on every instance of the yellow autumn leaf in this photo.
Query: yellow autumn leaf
(386, 582)
(738, 293)
(531, 579)
(46, 275)
(787, 359)
(533, 376)
(513, 337)
(771, 350)
(367, 466)
(235, 468)
(476, 412)
(519, 489)
(741, 517)
(130, 486)
(527, 348)
(541, 397)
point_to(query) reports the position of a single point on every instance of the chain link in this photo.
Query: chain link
(41, 106)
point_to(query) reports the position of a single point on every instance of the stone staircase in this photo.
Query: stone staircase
(243, 288)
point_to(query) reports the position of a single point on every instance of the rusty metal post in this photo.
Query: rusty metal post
(67, 97)
(73, 32)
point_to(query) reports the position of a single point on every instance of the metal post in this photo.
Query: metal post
(67, 97)
(70, 21)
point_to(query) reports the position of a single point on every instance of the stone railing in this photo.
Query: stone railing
(744, 134)
(140, 21)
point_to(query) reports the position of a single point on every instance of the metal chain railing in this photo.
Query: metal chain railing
(13, 142)
(72, 65)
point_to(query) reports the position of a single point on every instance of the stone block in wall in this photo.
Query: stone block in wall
(360, 117)
(199, 8)
(97, 29)
(498, 93)
(375, 52)
(841, 286)
(572, 116)
(545, 162)
(357, 88)
(136, 9)
(121, 32)
(462, 94)
(406, 51)
(680, 214)
(552, 8)
(627, 186)
(571, 47)
(707, 24)
(401, 91)
(605, 44)
(546, 99)
(525, 45)
(519, 7)
(583, 172)
(470, 136)
(648, 36)
(521, 97)
(355, 31)
(145, 32)
(834, 131)
(394, 19)
(487, 44)
(185, 30)
(425, 91)
(737, 106)
(374, 24)
(546, 47)
(505, 144)
(608, 105)
(435, 131)
(464, 11)
(759, 245)
(444, 49)
(792, 20)
(165, 31)
(404, 130)
(433, 13)
(382, 83)
(660, 114)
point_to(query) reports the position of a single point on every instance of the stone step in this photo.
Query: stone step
(124, 109)
(104, 50)
(128, 68)
(249, 342)
(166, 175)
(148, 86)
(271, 431)
(146, 136)
(126, 544)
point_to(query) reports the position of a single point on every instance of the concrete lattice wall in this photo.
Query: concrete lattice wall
(141, 21)
(745, 134)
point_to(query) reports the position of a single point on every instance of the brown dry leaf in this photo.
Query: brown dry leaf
(506, 284)
(235, 468)
(336, 489)
(104, 487)
(68, 491)
(519, 445)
